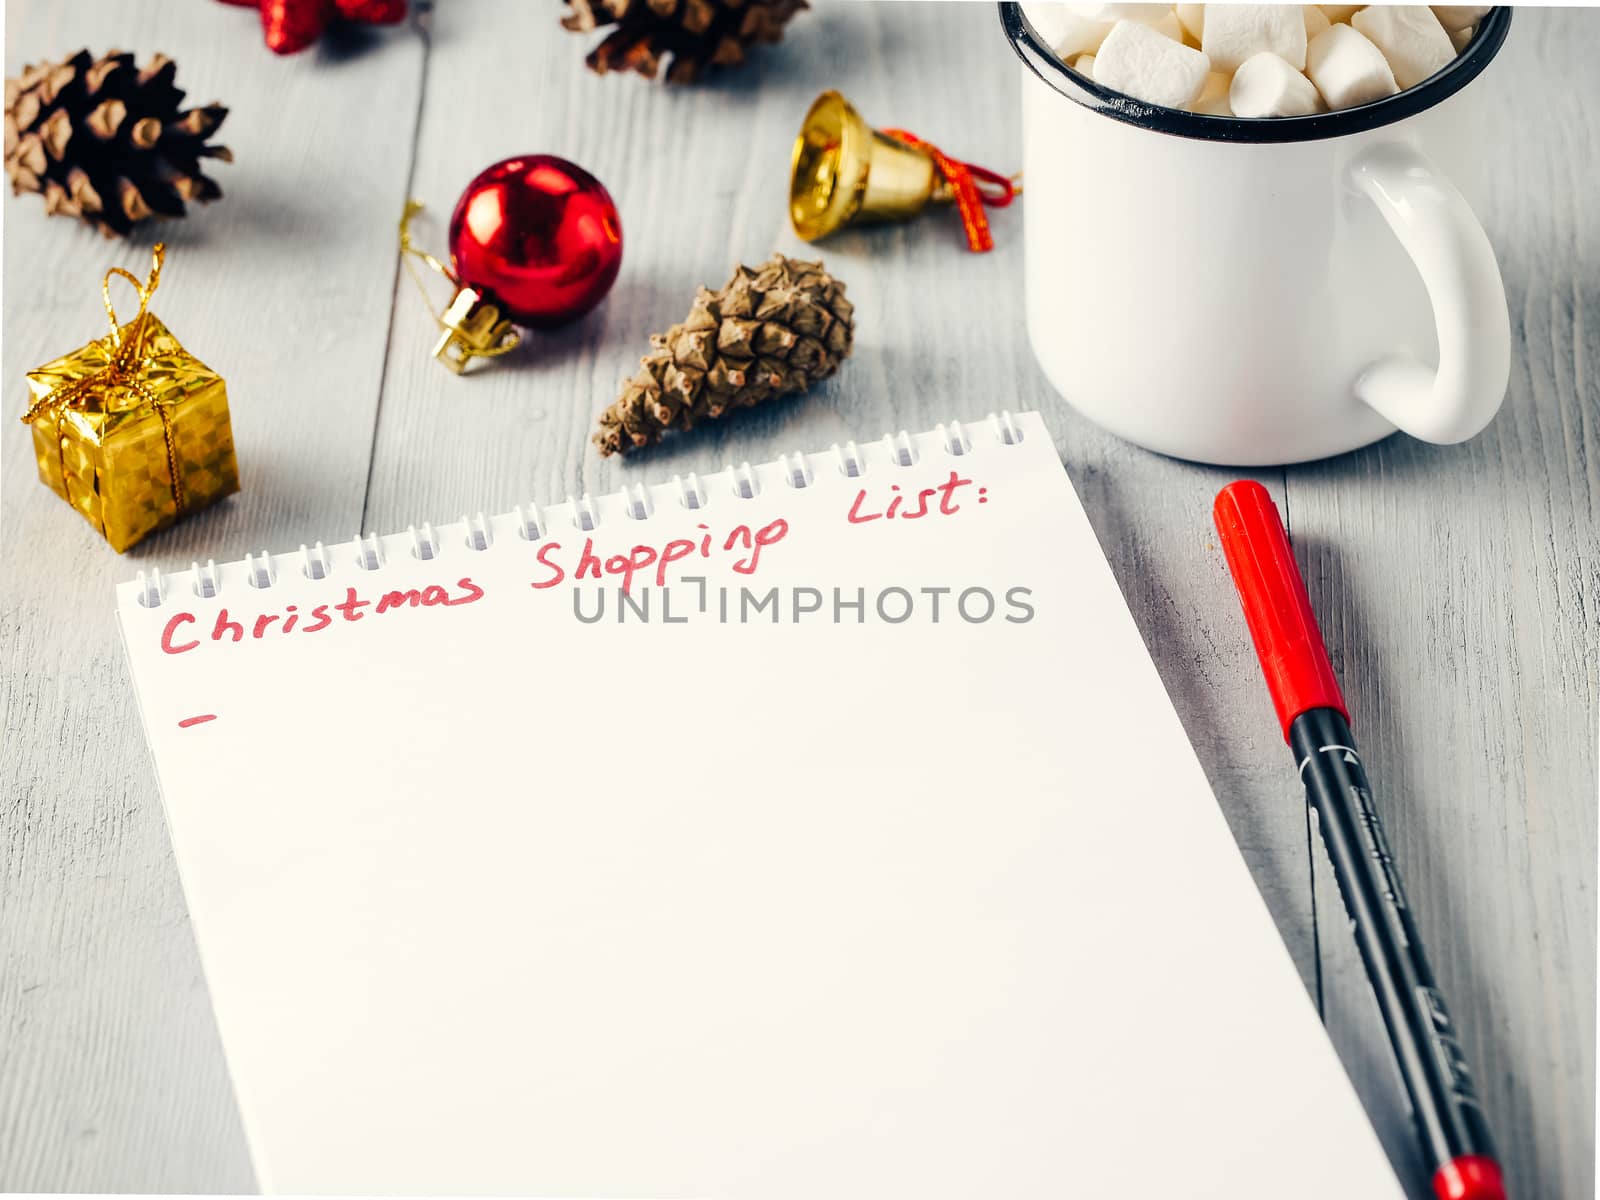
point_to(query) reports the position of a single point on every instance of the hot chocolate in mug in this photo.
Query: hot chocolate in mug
(1262, 291)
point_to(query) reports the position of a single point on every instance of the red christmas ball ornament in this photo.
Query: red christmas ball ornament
(541, 236)
(534, 241)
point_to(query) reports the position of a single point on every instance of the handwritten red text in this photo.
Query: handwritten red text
(743, 542)
(894, 507)
(185, 631)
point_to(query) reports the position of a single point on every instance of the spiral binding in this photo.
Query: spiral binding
(530, 522)
(149, 585)
(902, 450)
(584, 516)
(796, 470)
(207, 583)
(851, 464)
(424, 543)
(690, 494)
(259, 572)
(637, 502)
(317, 564)
(955, 439)
(369, 552)
(1010, 432)
(745, 484)
(479, 535)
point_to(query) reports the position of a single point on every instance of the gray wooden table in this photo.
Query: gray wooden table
(1460, 587)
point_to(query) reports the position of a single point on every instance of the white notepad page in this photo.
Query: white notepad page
(781, 905)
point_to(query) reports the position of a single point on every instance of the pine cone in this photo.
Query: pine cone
(769, 332)
(106, 141)
(696, 33)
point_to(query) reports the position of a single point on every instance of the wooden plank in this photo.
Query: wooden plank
(1460, 585)
(111, 1077)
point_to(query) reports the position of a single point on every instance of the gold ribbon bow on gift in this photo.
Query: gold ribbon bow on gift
(125, 368)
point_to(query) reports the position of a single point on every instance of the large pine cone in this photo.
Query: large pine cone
(106, 141)
(769, 332)
(697, 34)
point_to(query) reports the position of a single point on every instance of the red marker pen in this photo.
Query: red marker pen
(1450, 1122)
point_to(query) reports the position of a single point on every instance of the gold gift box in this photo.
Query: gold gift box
(116, 421)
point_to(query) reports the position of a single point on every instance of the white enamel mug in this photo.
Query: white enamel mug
(1250, 292)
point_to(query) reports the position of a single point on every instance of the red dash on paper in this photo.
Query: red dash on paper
(188, 721)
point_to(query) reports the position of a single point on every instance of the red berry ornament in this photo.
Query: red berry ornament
(289, 26)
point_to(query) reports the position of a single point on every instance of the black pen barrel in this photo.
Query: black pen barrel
(1443, 1099)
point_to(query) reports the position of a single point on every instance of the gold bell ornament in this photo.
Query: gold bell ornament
(843, 171)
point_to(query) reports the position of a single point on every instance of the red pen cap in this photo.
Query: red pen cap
(1276, 607)
(1471, 1177)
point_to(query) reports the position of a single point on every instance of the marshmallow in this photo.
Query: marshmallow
(1193, 19)
(1084, 65)
(1348, 69)
(1213, 98)
(1267, 86)
(1316, 21)
(1339, 13)
(1139, 62)
(1410, 37)
(1234, 32)
(1168, 26)
(1064, 30)
(1047, 20)
(1112, 13)
(1462, 38)
(1080, 36)
(1455, 17)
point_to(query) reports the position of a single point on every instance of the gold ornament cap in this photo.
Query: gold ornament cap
(471, 326)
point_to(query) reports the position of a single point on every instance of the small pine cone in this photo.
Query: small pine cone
(771, 331)
(695, 34)
(104, 140)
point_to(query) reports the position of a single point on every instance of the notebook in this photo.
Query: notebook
(811, 829)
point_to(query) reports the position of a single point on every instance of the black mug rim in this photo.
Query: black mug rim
(1463, 69)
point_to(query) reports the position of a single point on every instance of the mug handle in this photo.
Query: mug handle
(1458, 267)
